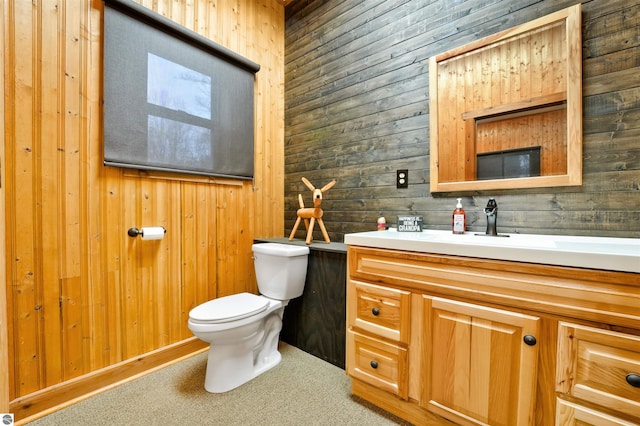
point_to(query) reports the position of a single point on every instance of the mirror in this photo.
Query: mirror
(506, 110)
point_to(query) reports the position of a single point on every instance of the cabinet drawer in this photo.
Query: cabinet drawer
(381, 310)
(378, 363)
(599, 366)
(571, 414)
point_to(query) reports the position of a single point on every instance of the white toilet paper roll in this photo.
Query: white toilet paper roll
(153, 233)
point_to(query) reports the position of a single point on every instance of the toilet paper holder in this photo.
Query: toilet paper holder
(134, 231)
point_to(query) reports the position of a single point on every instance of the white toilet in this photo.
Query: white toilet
(243, 329)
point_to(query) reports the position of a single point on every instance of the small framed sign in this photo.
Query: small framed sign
(409, 223)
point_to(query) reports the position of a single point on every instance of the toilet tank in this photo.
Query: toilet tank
(281, 269)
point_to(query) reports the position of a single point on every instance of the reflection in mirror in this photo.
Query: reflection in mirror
(515, 96)
(515, 163)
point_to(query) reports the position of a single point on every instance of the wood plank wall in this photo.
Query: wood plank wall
(4, 332)
(356, 109)
(85, 302)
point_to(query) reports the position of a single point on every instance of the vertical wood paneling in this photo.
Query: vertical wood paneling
(515, 133)
(234, 229)
(129, 284)
(4, 338)
(22, 247)
(205, 220)
(173, 286)
(102, 321)
(73, 227)
(111, 245)
(192, 287)
(51, 188)
(81, 294)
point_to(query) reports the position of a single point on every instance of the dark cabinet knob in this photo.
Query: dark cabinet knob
(633, 380)
(375, 311)
(374, 364)
(530, 340)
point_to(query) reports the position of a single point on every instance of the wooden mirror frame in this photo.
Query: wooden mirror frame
(569, 97)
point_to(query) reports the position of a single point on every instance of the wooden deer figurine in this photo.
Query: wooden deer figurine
(311, 215)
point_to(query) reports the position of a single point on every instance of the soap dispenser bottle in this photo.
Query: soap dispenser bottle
(459, 220)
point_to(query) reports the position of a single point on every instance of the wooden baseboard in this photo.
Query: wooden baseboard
(45, 401)
(407, 410)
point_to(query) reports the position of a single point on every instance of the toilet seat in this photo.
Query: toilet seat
(228, 308)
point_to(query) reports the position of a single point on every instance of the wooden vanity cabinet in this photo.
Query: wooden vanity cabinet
(439, 339)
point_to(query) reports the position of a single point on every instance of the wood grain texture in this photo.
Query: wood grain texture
(544, 288)
(356, 101)
(4, 336)
(572, 414)
(316, 321)
(83, 296)
(585, 323)
(478, 363)
(593, 365)
(378, 363)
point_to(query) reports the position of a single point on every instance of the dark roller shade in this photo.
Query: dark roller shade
(174, 100)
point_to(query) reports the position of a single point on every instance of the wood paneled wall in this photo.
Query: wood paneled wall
(4, 329)
(356, 109)
(88, 305)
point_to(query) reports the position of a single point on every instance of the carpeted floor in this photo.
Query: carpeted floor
(301, 390)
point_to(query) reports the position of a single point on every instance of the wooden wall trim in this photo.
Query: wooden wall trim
(38, 404)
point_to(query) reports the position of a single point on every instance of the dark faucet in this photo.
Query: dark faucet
(492, 216)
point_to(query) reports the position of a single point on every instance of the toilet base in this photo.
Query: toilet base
(268, 364)
(232, 365)
(235, 370)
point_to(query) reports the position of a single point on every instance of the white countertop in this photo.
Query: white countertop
(616, 254)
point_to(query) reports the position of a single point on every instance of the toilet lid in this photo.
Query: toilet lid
(229, 308)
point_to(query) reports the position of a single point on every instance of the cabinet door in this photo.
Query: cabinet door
(480, 363)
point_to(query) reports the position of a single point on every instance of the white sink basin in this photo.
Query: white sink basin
(599, 247)
(618, 254)
(502, 240)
